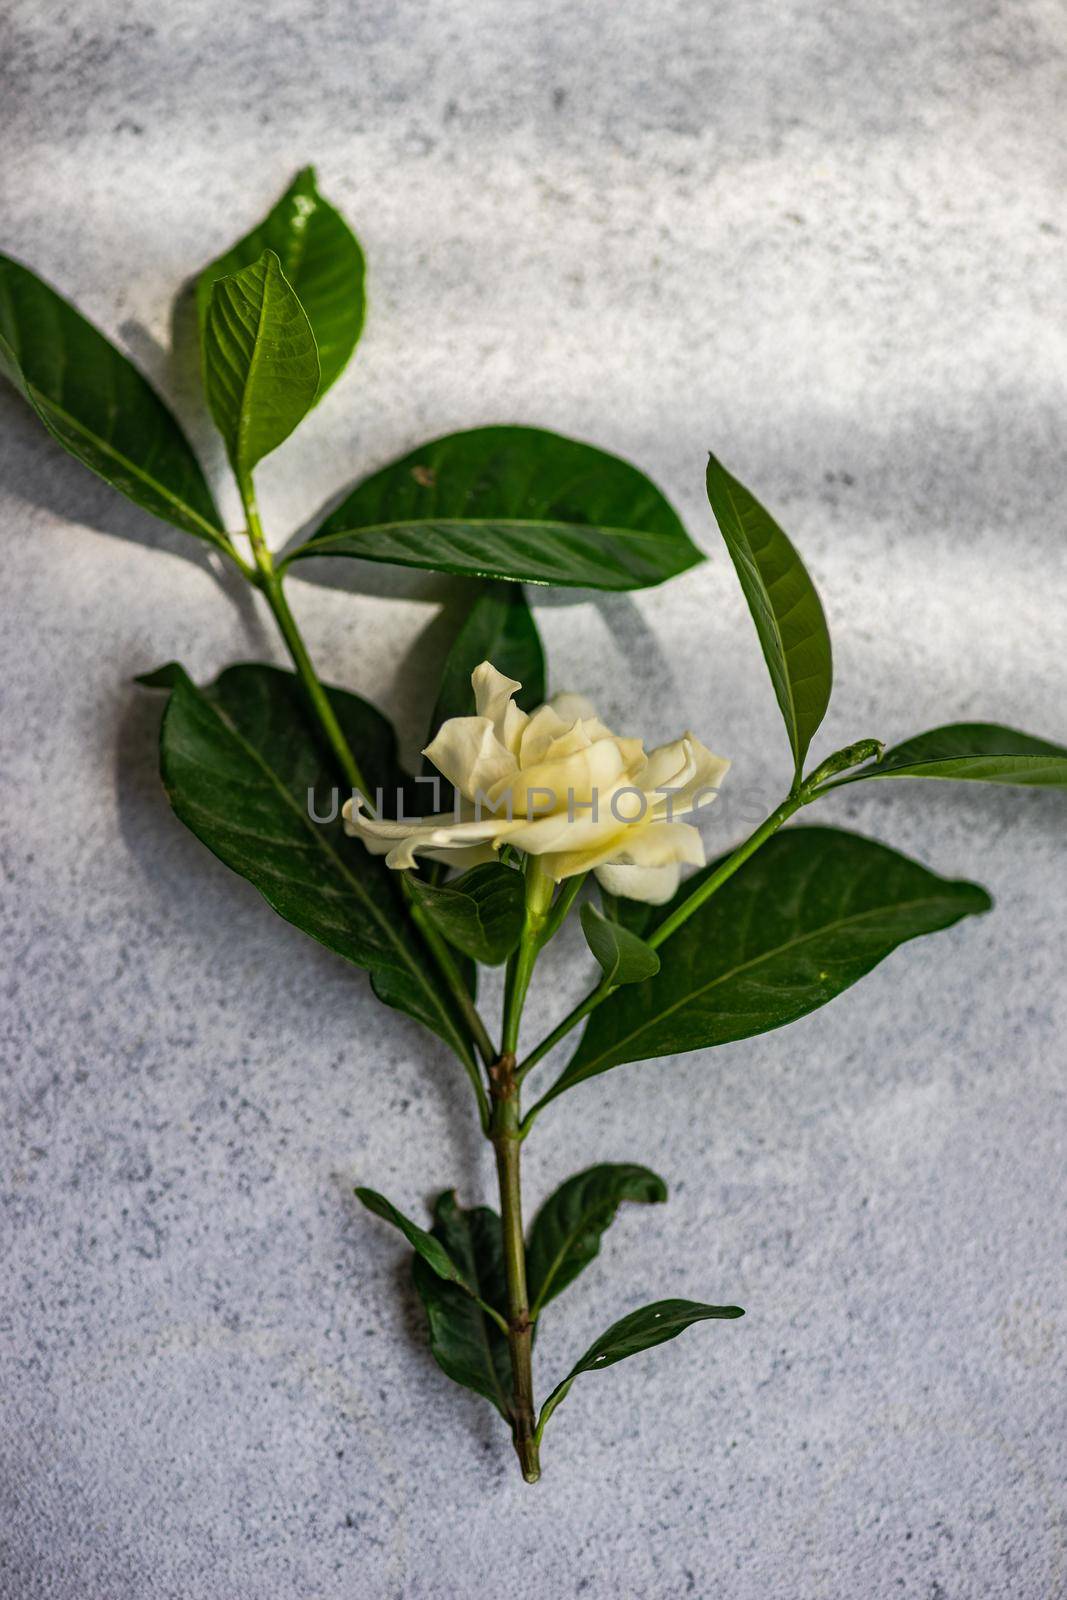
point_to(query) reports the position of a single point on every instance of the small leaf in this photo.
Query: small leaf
(623, 956)
(514, 503)
(261, 368)
(95, 403)
(239, 760)
(636, 915)
(424, 1244)
(466, 1344)
(977, 752)
(566, 1232)
(784, 605)
(641, 1330)
(481, 913)
(800, 922)
(321, 258)
(499, 627)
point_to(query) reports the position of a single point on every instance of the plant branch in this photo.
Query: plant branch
(506, 1135)
(669, 925)
(539, 888)
(269, 582)
(507, 1147)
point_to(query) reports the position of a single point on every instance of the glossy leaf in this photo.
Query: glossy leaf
(95, 403)
(261, 368)
(804, 919)
(481, 913)
(239, 760)
(641, 1330)
(514, 503)
(424, 1244)
(784, 605)
(499, 627)
(977, 752)
(567, 1230)
(466, 1344)
(322, 260)
(622, 955)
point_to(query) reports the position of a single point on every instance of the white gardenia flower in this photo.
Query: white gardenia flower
(561, 786)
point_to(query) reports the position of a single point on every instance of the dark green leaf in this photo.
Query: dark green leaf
(424, 1244)
(636, 915)
(566, 1232)
(515, 503)
(466, 1344)
(481, 913)
(320, 256)
(801, 921)
(261, 368)
(97, 405)
(239, 760)
(652, 1325)
(623, 956)
(980, 752)
(784, 605)
(499, 627)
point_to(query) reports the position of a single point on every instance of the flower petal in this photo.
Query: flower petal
(700, 789)
(654, 885)
(470, 755)
(493, 699)
(440, 836)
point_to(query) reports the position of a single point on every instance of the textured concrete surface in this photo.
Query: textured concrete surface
(827, 241)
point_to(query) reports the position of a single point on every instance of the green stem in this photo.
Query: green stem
(566, 897)
(539, 888)
(506, 1135)
(669, 925)
(726, 869)
(560, 1031)
(270, 582)
(507, 1147)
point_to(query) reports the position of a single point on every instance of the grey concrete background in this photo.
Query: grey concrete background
(828, 241)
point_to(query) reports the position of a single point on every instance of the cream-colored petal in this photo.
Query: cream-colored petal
(543, 727)
(493, 698)
(469, 754)
(669, 766)
(548, 786)
(569, 743)
(653, 844)
(699, 789)
(515, 720)
(401, 842)
(653, 885)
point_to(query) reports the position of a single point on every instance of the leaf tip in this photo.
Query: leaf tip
(164, 677)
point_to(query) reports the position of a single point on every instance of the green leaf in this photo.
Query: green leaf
(652, 1325)
(239, 760)
(514, 503)
(784, 605)
(636, 915)
(261, 368)
(979, 752)
(566, 1232)
(424, 1244)
(466, 1344)
(481, 913)
(623, 956)
(804, 919)
(97, 405)
(499, 627)
(321, 258)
